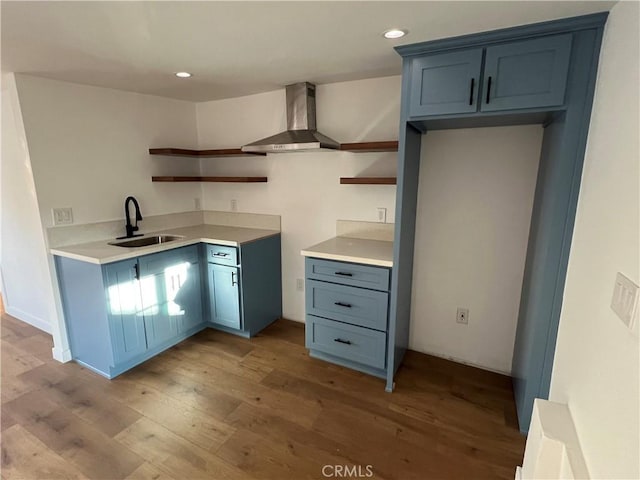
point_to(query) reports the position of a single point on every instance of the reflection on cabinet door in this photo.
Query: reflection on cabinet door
(125, 309)
(224, 295)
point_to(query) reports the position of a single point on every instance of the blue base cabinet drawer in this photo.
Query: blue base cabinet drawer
(365, 276)
(358, 306)
(355, 344)
(222, 254)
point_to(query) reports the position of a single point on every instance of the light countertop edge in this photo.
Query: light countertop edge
(345, 249)
(101, 252)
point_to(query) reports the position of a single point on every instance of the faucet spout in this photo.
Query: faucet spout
(138, 216)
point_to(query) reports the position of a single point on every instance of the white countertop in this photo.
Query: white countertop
(101, 252)
(356, 250)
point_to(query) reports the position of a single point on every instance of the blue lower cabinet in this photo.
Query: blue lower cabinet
(347, 314)
(120, 314)
(351, 343)
(224, 295)
(123, 313)
(125, 310)
(244, 286)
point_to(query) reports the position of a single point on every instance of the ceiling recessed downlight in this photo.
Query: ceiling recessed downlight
(183, 74)
(394, 33)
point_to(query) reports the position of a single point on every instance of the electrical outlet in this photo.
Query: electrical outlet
(382, 215)
(197, 203)
(234, 205)
(462, 316)
(625, 300)
(62, 216)
(300, 284)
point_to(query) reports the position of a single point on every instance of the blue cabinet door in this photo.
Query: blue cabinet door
(527, 74)
(445, 83)
(224, 295)
(171, 299)
(188, 298)
(125, 310)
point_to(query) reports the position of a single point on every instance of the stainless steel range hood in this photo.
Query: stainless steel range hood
(301, 133)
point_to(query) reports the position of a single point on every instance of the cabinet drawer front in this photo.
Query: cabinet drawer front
(376, 278)
(158, 262)
(357, 306)
(222, 254)
(445, 83)
(357, 344)
(527, 74)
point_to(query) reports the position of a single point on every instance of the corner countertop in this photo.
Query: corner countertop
(101, 252)
(356, 250)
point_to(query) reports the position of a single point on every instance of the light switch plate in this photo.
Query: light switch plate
(62, 216)
(382, 215)
(625, 300)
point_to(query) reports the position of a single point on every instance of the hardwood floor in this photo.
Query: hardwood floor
(221, 407)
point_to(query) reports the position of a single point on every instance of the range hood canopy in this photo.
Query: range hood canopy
(301, 133)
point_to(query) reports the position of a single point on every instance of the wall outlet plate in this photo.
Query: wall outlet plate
(462, 316)
(300, 284)
(625, 300)
(197, 203)
(234, 205)
(62, 216)
(382, 215)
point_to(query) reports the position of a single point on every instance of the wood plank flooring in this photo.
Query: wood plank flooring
(218, 406)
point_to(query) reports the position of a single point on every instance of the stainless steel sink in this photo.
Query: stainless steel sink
(147, 241)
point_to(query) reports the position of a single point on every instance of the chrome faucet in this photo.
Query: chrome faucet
(132, 228)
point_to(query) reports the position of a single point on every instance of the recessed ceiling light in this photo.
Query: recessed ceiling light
(183, 74)
(394, 33)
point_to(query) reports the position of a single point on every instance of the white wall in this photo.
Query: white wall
(27, 290)
(596, 362)
(89, 149)
(304, 187)
(475, 198)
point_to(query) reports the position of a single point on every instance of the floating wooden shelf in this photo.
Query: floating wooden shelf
(391, 146)
(211, 179)
(183, 152)
(368, 180)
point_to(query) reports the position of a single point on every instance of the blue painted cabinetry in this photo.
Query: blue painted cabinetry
(224, 295)
(515, 75)
(123, 313)
(533, 74)
(244, 286)
(347, 314)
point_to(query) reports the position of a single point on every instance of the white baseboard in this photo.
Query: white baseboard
(28, 318)
(60, 355)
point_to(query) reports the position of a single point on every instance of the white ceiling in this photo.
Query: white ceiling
(238, 48)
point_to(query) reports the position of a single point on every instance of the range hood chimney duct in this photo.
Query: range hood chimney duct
(301, 133)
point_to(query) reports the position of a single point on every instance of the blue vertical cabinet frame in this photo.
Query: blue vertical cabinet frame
(564, 111)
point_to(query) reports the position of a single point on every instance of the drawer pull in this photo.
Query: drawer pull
(345, 305)
(220, 254)
(339, 340)
(344, 274)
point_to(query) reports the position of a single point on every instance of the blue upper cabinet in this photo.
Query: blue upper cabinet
(526, 74)
(445, 83)
(521, 75)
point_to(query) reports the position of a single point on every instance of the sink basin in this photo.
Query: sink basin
(147, 241)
